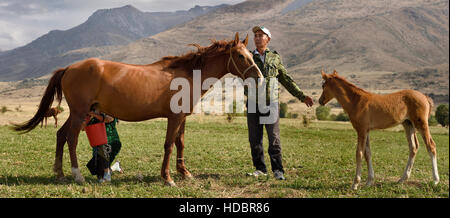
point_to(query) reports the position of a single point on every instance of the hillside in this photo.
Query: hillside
(100, 34)
(348, 35)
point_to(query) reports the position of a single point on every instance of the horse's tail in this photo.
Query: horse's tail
(430, 104)
(53, 88)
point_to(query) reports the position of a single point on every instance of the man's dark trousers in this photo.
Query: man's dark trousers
(255, 135)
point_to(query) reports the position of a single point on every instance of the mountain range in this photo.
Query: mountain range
(103, 31)
(364, 39)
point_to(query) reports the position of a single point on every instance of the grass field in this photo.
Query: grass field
(319, 162)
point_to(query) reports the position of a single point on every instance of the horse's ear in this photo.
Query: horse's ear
(236, 39)
(245, 41)
(324, 75)
(335, 72)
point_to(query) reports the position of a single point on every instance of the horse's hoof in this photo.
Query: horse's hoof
(369, 183)
(401, 180)
(436, 182)
(79, 180)
(355, 187)
(78, 177)
(170, 183)
(188, 176)
(61, 179)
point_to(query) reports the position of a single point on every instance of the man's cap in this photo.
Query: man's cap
(263, 29)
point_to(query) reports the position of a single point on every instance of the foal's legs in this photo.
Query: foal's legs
(368, 157)
(61, 138)
(362, 136)
(179, 142)
(413, 147)
(422, 126)
(173, 127)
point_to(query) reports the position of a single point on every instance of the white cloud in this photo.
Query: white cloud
(25, 20)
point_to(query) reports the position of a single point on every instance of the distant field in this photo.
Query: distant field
(319, 163)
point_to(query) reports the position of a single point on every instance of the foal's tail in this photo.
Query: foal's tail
(53, 88)
(430, 104)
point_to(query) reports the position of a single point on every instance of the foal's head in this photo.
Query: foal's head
(327, 84)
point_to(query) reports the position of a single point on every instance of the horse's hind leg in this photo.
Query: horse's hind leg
(61, 138)
(179, 142)
(410, 133)
(368, 157)
(422, 126)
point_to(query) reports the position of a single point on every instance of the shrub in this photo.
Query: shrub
(332, 117)
(19, 108)
(283, 110)
(442, 114)
(4, 109)
(432, 121)
(292, 101)
(322, 112)
(306, 121)
(342, 117)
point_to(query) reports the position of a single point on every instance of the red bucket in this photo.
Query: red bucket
(96, 134)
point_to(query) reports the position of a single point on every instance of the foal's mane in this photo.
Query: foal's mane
(196, 59)
(349, 84)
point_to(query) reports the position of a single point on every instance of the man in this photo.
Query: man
(269, 62)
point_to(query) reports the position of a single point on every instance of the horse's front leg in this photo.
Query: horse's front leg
(362, 136)
(173, 127)
(179, 142)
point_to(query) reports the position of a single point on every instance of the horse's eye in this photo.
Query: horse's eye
(241, 56)
(323, 83)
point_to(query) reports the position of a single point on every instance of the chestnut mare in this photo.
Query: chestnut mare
(368, 111)
(137, 93)
(52, 112)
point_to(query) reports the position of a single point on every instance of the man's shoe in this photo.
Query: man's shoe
(106, 177)
(279, 175)
(257, 173)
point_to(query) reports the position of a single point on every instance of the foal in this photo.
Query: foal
(52, 112)
(368, 111)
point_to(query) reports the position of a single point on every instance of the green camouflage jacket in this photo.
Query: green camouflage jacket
(273, 67)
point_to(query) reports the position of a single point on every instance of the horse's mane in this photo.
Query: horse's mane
(196, 59)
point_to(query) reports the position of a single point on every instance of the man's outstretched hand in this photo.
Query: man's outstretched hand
(308, 101)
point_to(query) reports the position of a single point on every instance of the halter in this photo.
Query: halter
(235, 66)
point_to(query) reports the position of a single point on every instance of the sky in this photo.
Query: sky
(22, 21)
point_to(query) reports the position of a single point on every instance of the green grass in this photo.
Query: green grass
(319, 162)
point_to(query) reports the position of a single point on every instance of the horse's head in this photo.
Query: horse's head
(240, 61)
(327, 84)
